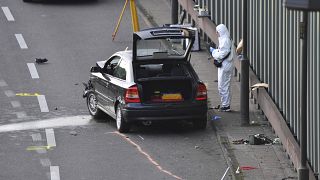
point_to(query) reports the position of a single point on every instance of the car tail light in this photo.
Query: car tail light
(132, 95)
(201, 92)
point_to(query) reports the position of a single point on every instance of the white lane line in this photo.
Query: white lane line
(21, 41)
(43, 103)
(51, 141)
(15, 104)
(54, 173)
(3, 83)
(49, 123)
(9, 93)
(7, 13)
(33, 71)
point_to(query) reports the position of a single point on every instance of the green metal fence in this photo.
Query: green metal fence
(274, 51)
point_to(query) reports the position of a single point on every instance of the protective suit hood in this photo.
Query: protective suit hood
(223, 31)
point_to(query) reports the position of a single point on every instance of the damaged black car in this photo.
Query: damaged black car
(154, 81)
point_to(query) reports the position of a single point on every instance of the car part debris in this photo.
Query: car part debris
(74, 133)
(259, 139)
(240, 141)
(41, 60)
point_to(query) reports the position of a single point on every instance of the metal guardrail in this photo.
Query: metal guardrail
(274, 51)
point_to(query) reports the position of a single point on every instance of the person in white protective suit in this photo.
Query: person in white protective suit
(224, 55)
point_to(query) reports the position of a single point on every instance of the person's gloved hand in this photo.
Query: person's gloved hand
(211, 49)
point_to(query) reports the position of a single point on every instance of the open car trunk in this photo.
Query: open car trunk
(161, 83)
(162, 90)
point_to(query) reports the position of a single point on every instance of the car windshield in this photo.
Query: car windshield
(161, 47)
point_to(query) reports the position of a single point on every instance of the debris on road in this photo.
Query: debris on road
(240, 141)
(247, 168)
(215, 118)
(276, 141)
(257, 139)
(41, 60)
(74, 133)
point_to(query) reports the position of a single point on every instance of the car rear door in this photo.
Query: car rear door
(118, 84)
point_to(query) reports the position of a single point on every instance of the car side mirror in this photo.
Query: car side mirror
(95, 69)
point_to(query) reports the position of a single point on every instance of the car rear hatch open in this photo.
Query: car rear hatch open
(166, 43)
(160, 61)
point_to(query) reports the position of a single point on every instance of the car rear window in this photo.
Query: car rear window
(161, 48)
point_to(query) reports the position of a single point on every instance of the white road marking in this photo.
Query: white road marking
(54, 173)
(8, 14)
(15, 104)
(43, 103)
(51, 141)
(50, 123)
(9, 93)
(21, 41)
(3, 83)
(225, 173)
(33, 71)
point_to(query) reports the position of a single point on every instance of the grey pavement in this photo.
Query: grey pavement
(255, 162)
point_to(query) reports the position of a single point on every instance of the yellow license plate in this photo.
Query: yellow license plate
(176, 96)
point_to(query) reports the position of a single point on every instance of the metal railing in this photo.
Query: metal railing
(274, 51)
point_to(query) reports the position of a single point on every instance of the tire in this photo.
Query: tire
(122, 125)
(27, 0)
(92, 106)
(200, 123)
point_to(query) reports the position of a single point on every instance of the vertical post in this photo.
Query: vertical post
(303, 171)
(244, 76)
(174, 11)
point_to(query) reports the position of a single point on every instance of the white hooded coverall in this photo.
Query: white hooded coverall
(224, 72)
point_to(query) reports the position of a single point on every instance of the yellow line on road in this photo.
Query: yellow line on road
(27, 94)
(35, 148)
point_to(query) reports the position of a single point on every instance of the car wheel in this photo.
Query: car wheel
(92, 105)
(122, 125)
(27, 0)
(200, 123)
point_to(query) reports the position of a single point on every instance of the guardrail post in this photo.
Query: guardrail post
(244, 76)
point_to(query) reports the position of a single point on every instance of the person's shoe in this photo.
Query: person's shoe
(225, 109)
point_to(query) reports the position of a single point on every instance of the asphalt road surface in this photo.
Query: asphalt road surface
(45, 128)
